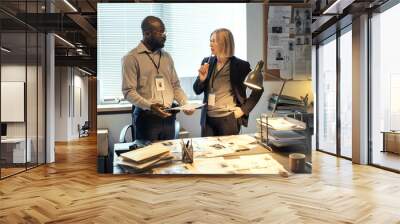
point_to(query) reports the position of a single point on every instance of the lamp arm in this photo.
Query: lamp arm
(279, 96)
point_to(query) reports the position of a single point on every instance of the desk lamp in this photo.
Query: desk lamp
(254, 81)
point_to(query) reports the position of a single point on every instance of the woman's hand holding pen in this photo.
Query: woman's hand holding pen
(203, 71)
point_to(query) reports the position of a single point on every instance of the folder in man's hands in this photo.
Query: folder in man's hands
(189, 106)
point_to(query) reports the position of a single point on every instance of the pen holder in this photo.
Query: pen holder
(187, 152)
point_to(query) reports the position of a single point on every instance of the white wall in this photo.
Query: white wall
(114, 123)
(70, 84)
(61, 103)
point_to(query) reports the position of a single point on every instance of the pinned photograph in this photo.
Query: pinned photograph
(277, 29)
(279, 56)
(298, 21)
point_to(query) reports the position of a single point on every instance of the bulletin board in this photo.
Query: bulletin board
(287, 41)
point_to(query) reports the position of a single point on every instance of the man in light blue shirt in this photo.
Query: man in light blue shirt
(151, 84)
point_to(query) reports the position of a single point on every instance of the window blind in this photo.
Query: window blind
(188, 26)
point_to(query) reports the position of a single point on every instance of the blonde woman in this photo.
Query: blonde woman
(221, 79)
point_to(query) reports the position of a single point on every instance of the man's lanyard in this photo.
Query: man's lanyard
(215, 76)
(154, 63)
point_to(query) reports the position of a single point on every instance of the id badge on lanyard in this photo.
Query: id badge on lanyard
(211, 95)
(160, 84)
(159, 79)
(211, 99)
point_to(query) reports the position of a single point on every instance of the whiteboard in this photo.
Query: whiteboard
(12, 101)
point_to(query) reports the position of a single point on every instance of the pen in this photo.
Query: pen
(187, 154)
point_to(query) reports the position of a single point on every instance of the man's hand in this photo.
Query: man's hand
(238, 112)
(203, 71)
(158, 109)
(189, 112)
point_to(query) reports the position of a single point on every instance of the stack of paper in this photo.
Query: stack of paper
(285, 138)
(283, 124)
(287, 104)
(147, 157)
(282, 131)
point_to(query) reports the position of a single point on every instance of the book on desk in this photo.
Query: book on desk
(146, 157)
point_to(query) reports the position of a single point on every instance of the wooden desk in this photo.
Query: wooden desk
(239, 154)
(391, 141)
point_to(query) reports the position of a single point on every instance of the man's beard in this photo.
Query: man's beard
(156, 44)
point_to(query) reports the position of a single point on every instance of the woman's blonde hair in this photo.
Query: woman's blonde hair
(225, 40)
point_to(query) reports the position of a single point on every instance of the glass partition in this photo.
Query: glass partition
(22, 87)
(14, 153)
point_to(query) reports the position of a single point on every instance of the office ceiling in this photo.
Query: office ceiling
(76, 22)
(337, 14)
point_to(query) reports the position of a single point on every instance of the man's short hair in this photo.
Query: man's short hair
(225, 39)
(147, 23)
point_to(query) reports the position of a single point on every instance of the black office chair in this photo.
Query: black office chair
(122, 135)
(84, 130)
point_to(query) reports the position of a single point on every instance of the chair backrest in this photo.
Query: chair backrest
(86, 125)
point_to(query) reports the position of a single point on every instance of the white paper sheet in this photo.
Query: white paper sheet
(280, 13)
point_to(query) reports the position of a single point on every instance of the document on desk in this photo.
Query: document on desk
(251, 162)
(254, 164)
(223, 146)
(189, 106)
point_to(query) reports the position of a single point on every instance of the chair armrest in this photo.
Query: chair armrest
(123, 133)
(177, 129)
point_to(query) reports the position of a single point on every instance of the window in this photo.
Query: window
(346, 93)
(327, 96)
(188, 26)
(385, 84)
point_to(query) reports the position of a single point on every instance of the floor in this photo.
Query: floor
(8, 171)
(71, 191)
(387, 159)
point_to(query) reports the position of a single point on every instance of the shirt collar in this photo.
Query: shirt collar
(143, 49)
